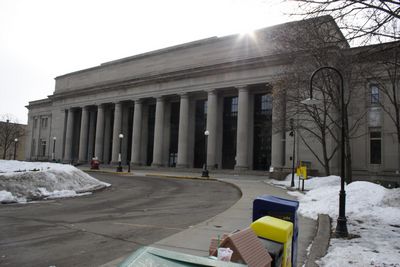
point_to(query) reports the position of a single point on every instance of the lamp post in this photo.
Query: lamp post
(205, 171)
(119, 168)
(53, 154)
(341, 227)
(15, 147)
(293, 134)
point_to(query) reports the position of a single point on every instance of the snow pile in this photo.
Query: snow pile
(372, 211)
(25, 181)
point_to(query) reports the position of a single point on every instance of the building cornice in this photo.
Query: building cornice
(39, 103)
(179, 74)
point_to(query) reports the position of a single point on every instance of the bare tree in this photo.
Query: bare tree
(9, 131)
(321, 44)
(319, 124)
(362, 20)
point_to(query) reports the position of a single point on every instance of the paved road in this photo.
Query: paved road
(94, 229)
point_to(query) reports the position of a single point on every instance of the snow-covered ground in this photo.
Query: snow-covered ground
(25, 181)
(372, 211)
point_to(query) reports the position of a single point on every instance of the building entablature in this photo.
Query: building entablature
(41, 103)
(182, 74)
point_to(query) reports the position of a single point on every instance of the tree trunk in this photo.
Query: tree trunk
(398, 148)
(398, 154)
(4, 151)
(326, 160)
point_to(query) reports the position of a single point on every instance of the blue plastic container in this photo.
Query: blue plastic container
(281, 208)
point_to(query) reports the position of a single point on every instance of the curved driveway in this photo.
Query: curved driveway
(94, 229)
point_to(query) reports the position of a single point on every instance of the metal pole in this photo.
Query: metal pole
(54, 150)
(341, 227)
(119, 168)
(205, 171)
(15, 149)
(294, 150)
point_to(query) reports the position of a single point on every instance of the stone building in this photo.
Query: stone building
(163, 101)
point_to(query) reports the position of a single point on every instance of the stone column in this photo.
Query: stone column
(137, 133)
(98, 148)
(212, 108)
(158, 132)
(69, 136)
(183, 137)
(83, 138)
(116, 131)
(242, 129)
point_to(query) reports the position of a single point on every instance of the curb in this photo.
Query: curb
(153, 175)
(221, 180)
(105, 171)
(179, 176)
(320, 244)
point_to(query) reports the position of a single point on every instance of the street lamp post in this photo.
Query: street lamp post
(53, 154)
(341, 227)
(15, 147)
(292, 133)
(205, 171)
(119, 168)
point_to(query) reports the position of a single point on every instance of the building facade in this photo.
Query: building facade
(162, 102)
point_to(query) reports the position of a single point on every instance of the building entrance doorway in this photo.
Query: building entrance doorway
(262, 131)
(150, 137)
(229, 132)
(174, 132)
(199, 138)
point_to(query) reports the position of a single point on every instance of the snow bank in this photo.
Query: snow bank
(24, 181)
(372, 211)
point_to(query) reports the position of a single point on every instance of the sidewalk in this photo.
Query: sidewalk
(196, 239)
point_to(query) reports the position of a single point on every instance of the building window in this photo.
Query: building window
(374, 94)
(43, 147)
(35, 123)
(234, 107)
(44, 122)
(375, 147)
(266, 103)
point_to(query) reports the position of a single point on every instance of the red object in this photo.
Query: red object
(94, 164)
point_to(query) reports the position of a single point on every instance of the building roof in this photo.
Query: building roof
(214, 51)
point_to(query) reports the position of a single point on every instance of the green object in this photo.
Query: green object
(155, 257)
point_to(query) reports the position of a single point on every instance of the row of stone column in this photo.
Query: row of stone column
(183, 137)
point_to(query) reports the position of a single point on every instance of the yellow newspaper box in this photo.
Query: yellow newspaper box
(276, 230)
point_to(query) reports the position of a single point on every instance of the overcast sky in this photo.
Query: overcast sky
(42, 39)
